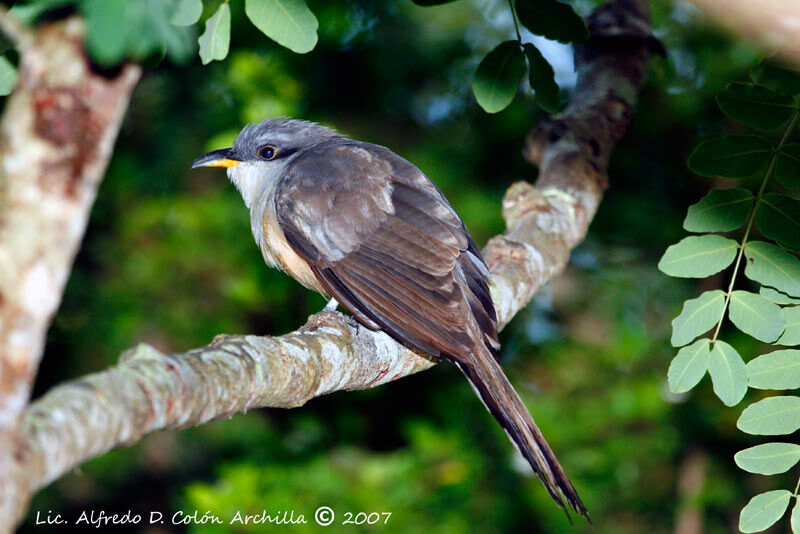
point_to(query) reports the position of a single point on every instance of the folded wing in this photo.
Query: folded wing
(387, 245)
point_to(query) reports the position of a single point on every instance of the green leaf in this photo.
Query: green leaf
(764, 510)
(542, 80)
(771, 416)
(688, 366)
(698, 256)
(733, 156)
(787, 166)
(779, 77)
(107, 33)
(176, 41)
(144, 43)
(8, 76)
(697, 316)
(287, 22)
(769, 458)
(728, 373)
(498, 75)
(756, 316)
(187, 12)
(28, 13)
(779, 369)
(772, 266)
(795, 521)
(791, 335)
(552, 19)
(756, 106)
(721, 210)
(778, 218)
(215, 40)
(776, 296)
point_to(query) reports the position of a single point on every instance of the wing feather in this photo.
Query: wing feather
(387, 245)
(402, 268)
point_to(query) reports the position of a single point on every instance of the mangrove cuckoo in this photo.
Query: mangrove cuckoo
(361, 225)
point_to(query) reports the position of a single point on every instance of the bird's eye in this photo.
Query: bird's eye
(268, 152)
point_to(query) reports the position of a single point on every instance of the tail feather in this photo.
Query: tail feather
(498, 395)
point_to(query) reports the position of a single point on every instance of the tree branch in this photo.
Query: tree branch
(771, 23)
(56, 137)
(148, 390)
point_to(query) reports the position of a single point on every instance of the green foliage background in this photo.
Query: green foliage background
(770, 267)
(169, 259)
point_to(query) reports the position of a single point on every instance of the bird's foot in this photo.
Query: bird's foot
(331, 307)
(352, 321)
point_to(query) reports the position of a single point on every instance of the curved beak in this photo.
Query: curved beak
(225, 157)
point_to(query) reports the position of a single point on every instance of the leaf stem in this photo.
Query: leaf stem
(516, 24)
(750, 221)
(796, 487)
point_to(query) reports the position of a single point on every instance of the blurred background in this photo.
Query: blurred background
(169, 259)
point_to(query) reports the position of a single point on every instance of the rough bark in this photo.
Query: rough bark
(56, 137)
(148, 390)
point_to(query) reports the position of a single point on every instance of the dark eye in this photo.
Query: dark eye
(268, 152)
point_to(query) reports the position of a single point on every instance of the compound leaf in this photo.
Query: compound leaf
(779, 369)
(776, 296)
(772, 266)
(698, 256)
(764, 510)
(728, 373)
(733, 156)
(756, 106)
(697, 316)
(688, 366)
(787, 166)
(791, 334)
(756, 316)
(721, 210)
(772, 416)
(779, 77)
(778, 218)
(768, 458)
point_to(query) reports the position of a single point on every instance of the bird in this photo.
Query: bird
(368, 230)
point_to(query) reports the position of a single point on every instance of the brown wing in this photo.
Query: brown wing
(387, 245)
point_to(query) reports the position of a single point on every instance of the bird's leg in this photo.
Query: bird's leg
(331, 306)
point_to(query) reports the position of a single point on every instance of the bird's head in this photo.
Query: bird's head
(261, 152)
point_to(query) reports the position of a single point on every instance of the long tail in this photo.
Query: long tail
(503, 402)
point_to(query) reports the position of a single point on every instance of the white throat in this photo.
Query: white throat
(255, 180)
